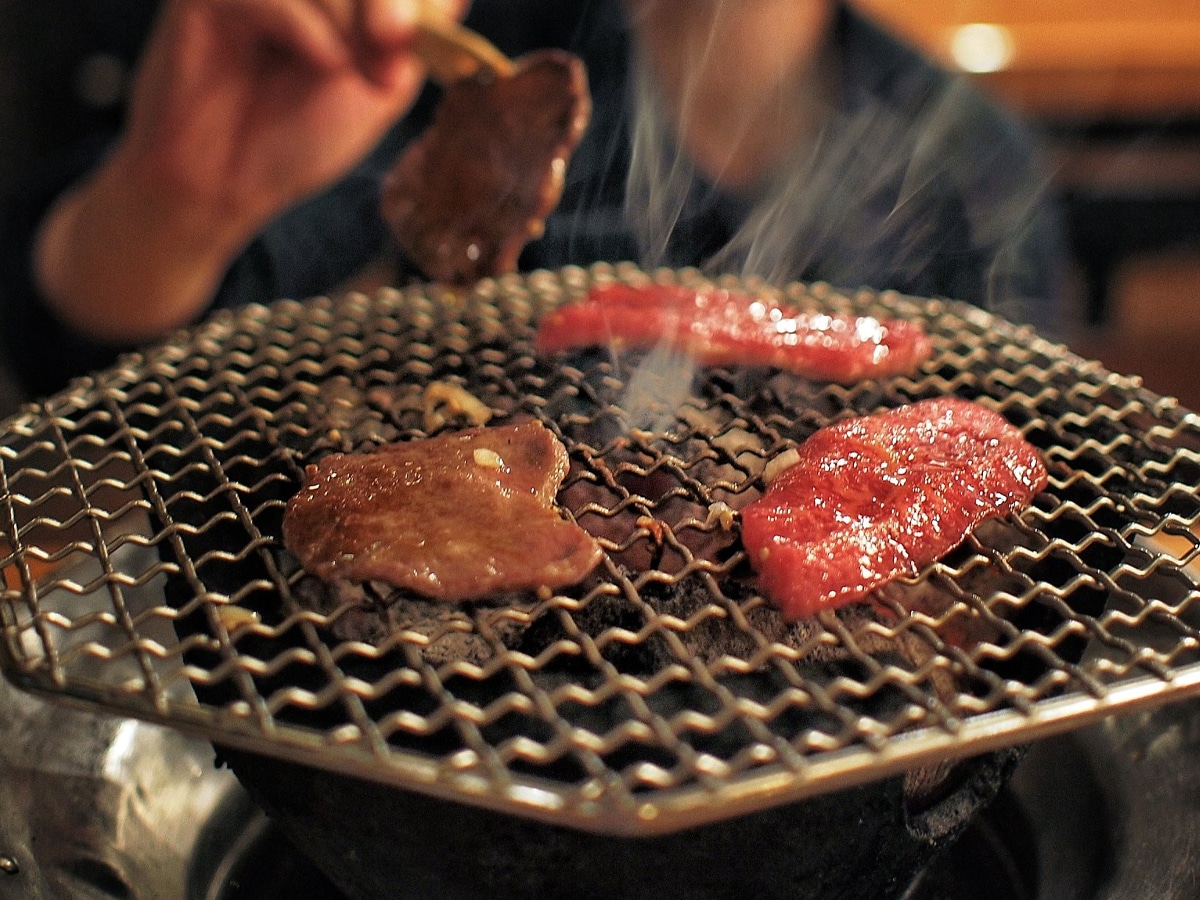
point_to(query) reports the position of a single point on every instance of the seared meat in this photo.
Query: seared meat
(873, 498)
(453, 517)
(465, 197)
(721, 327)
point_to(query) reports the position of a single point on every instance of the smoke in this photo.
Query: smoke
(930, 204)
(943, 202)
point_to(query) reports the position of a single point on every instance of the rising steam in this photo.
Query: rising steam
(832, 211)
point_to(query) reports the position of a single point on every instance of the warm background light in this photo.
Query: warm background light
(981, 47)
(1065, 59)
(1114, 87)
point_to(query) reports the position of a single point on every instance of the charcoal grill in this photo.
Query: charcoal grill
(661, 694)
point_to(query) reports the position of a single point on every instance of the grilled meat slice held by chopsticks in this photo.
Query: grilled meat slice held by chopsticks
(467, 195)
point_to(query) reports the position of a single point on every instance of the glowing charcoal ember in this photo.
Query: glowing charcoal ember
(467, 195)
(875, 498)
(721, 327)
(453, 517)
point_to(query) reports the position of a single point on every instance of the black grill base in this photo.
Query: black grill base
(379, 842)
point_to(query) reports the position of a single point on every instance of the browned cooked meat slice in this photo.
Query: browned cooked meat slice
(466, 196)
(452, 517)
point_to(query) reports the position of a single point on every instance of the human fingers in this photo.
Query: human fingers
(382, 37)
(307, 29)
(389, 20)
(386, 29)
(372, 36)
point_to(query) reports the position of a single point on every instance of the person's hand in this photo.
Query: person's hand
(246, 106)
(240, 109)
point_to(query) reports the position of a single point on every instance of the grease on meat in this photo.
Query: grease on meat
(453, 517)
(721, 327)
(467, 195)
(874, 498)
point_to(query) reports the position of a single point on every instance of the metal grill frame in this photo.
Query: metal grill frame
(96, 494)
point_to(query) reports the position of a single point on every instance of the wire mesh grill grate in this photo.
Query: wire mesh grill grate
(144, 572)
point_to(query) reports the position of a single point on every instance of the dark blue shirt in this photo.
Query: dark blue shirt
(918, 184)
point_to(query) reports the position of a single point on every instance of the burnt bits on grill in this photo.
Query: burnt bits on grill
(453, 517)
(467, 195)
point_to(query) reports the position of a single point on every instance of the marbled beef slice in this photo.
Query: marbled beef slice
(875, 498)
(725, 328)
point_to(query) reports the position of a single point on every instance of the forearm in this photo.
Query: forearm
(241, 110)
(121, 262)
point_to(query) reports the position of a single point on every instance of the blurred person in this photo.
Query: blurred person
(781, 138)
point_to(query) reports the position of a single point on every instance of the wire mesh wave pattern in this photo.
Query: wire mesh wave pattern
(144, 572)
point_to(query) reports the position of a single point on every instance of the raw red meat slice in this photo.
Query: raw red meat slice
(871, 499)
(452, 517)
(722, 327)
(467, 195)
